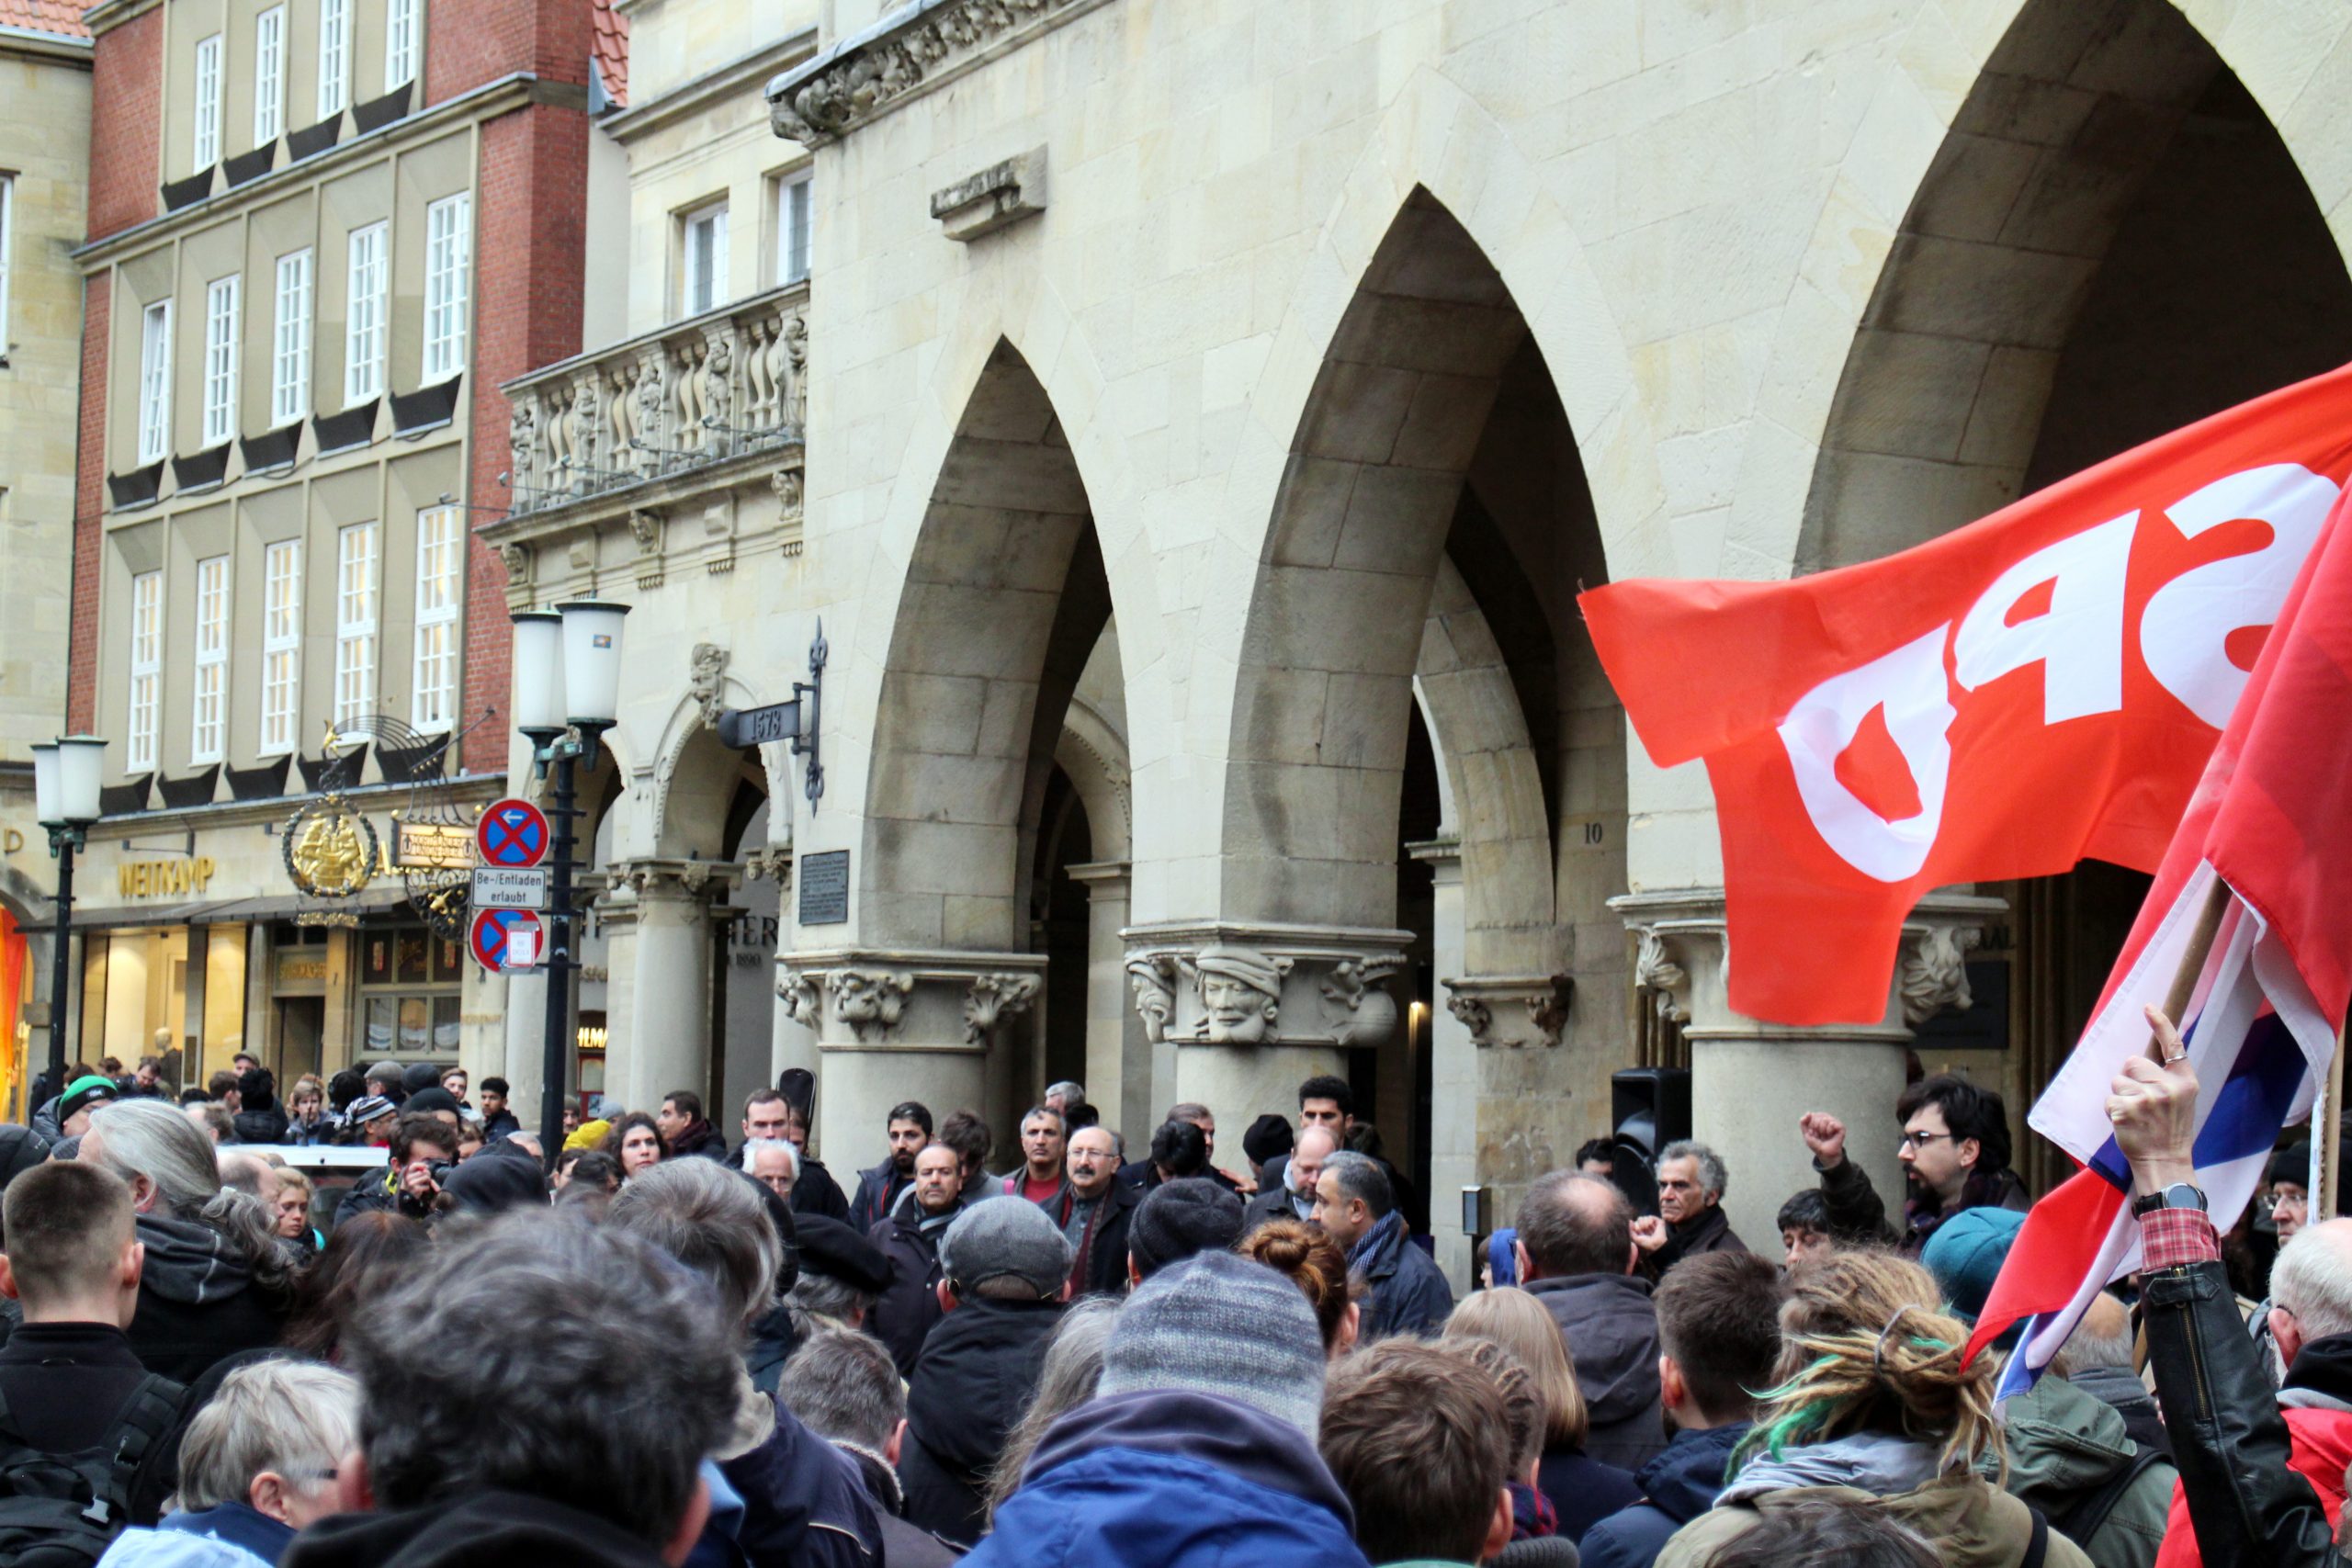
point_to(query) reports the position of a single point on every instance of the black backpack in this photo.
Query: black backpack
(62, 1510)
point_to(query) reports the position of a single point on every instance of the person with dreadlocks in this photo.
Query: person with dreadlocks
(1874, 1407)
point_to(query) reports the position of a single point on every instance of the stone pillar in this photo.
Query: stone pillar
(1118, 1056)
(1750, 1081)
(526, 1015)
(658, 1026)
(897, 1023)
(1454, 1074)
(1254, 1009)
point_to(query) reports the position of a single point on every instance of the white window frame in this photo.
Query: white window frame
(154, 382)
(704, 237)
(448, 284)
(8, 245)
(791, 227)
(334, 57)
(440, 597)
(281, 646)
(145, 695)
(289, 369)
(366, 331)
(359, 607)
(269, 75)
(210, 712)
(224, 333)
(401, 17)
(206, 143)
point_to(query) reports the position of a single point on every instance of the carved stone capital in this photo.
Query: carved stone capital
(993, 997)
(773, 864)
(1229, 984)
(869, 1001)
(674, 878)
(1933, 974)
(517, 559)
(1512, 1011)
(902, 1000)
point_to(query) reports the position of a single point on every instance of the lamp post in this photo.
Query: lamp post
(567, 693)
(65, 799)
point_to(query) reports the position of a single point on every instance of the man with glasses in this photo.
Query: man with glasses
(2287, 1200)
(773, 1163)
(1955, 1154)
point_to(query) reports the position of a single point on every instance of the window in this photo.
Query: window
(155, 382)
(281, 644)
(269, 75)
(146, 670)
(8, 243)
(356, 569)
(334, 57)
(208, 103)
(221, 330)
(440, 542)
(289, 369)
(363, 347)
(211, 661)
(448, 262)
(792, 227)
(400, 43)
(705, 281)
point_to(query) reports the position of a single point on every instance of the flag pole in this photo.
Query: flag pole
(2192, 959)
(2327, 1120)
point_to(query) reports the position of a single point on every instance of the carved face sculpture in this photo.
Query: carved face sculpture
(1241, 995)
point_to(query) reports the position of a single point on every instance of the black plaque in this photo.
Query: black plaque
(824, 887)
(742, 728)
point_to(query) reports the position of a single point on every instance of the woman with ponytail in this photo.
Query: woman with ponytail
(1874, 1410)
(1302, 1253)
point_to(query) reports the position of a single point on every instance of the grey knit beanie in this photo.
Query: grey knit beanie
(1181, 1219)
(1222, 1324)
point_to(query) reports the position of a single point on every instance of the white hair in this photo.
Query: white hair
(2312, 1279)
(298, 1419)
(754, 1148)
(1712, 1174)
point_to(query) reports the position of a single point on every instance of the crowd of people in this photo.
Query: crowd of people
(657, 1344)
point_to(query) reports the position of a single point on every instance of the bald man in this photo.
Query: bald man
(1292, 1197)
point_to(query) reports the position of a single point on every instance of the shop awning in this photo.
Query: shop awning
(239, 912)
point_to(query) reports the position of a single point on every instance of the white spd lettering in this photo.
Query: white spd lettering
(1909, 684)
(2189, 620)
(2078, 641)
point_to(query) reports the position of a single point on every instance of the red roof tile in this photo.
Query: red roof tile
(611, 49)
(61, 17)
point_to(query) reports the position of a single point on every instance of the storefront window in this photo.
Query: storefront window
(409, 982)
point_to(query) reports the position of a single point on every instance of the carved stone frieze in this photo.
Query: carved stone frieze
(899, 999)
(773, 864)
(1217, 984)
(869, 1001)
(993, 997)
(1934, 972)
(673, 878)
(1512, 1011)
(706, 681)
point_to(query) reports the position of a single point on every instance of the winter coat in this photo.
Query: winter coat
(260, 1123)
(1099, 1265)
(2316, 1399)
(1711, 1232)
(2121, 1388)
(1856, 1213)
(1969, 1522)
(1582, 1491)
(802, 1501)
(700, 1139)
(903, 1544)
(878, 1189)
(2064, 1446)
(908, 1307)
(1677, 1487)
(974, 1379)
(198, 1300)
(1610, 1330)
(21, 1148)
(487, 1529)
(500, 1124)
(306, 1134)
(1172, 1480)
(1407, 1290)
(238, 1525)
(177, 1548)
(67, 1385)
(1272, 1201)
(371, 1192)
(814, 1191)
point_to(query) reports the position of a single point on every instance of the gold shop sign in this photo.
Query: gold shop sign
(432, 846)
(164, 878)
(331, 850)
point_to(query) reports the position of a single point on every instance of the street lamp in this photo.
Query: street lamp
(567, 693)
(65, 800)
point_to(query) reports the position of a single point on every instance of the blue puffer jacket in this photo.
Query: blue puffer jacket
(1166, 1479)
(1677, 1487)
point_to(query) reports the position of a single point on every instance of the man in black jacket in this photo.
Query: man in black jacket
(424, 1149)
(1576, 1255)
(878, 1189)
(768, 1115)
(844, 1388)
(259, 1118)
(1101, 1207)
(909, 1238)
(1007, 1270)
(72, 1380)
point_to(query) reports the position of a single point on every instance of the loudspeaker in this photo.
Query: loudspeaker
(1650, 1107)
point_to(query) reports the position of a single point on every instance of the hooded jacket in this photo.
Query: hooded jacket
(489, 1530)
(1677, 1487)
(198, 1300)
(803, 1502)
(878, 1189)
(1409, 1292)
(975, 1377)
(2316, 1400)
(2121, 1388)
(1969, 1523)
(69, 1387)
(260, 1119)
(1172, 1480)
(1610, 1329)
(21, 1148)
(909, 1307)
(2064, 1446)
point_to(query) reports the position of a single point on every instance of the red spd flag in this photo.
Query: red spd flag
(2039, 687)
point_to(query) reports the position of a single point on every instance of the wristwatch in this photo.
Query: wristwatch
(2180, 1195)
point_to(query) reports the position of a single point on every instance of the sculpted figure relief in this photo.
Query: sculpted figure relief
(1241, 993)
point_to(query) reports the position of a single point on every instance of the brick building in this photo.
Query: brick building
(321, 233)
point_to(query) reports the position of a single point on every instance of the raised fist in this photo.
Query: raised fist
(1649, 1233)
(1824, 1136)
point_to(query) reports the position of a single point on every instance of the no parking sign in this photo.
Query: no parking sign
(512, 833)
(506, 940)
